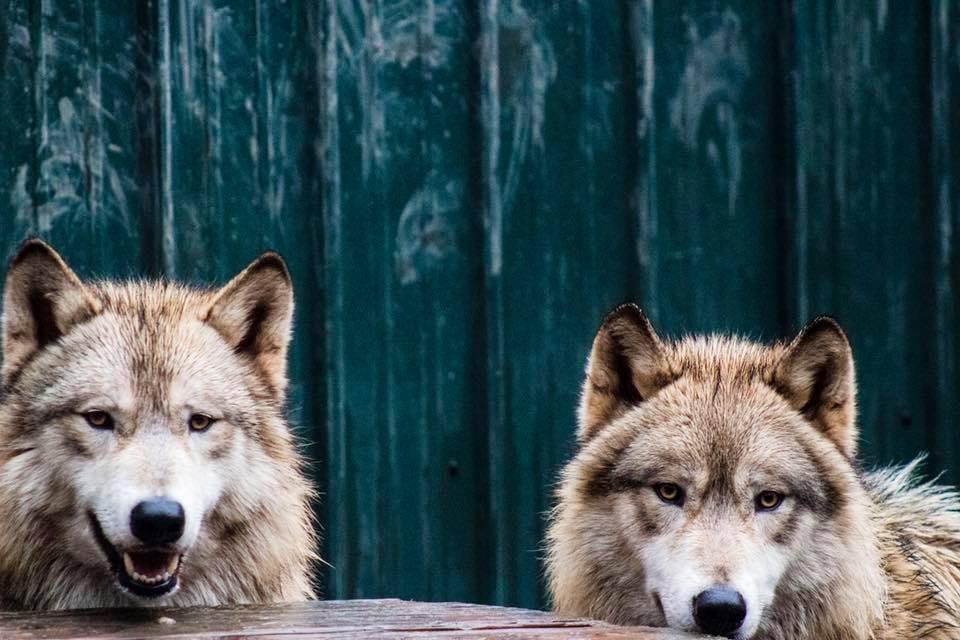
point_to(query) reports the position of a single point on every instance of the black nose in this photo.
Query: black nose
(719, 610)
(157, 522)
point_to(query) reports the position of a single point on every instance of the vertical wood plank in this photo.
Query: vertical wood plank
(355, 262)
(79, 188)
(189, 236)
(18, 127)
(557, 140)
(334, 507)
(717, 229)
(242, 91)
(463, 189)
(493, 585)
(641, 120)
(432, 306)
(944, 438)
(864, 215)
(400, 257)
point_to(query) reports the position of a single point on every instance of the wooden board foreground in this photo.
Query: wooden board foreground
(331, 619)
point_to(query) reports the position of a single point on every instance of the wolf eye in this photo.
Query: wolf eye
(669, 493)
(200, 422)
(768, 500)
(99, 419)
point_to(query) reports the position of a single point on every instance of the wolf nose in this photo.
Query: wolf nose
(157, 522)
(719, 610)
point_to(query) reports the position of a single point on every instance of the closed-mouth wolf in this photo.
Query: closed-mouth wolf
(144, 455)
(715, 488)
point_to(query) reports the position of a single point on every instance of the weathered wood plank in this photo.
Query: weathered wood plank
(944, 436)
(630, 152)
(356, 260)
(18, 132)
(72, 97)
(864, 236)
(188, 218)
(716, 228)
(553, 120)
(432, 423)
(242, 175)
(341, 619)
(397, 149)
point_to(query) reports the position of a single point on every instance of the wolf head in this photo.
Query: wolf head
(713, 488)
(143, 453)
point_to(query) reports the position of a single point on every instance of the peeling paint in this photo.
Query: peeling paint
(281, 163)
(373, 40)
(64, 173)
(20, 200)
(645, 192)
(20, 37)
(527, 68)
(703, 112)
(882, 12)
(597, 127)
(424, 233)
(409, 33)
(490, 115)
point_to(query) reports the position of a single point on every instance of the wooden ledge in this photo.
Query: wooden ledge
(328, 619)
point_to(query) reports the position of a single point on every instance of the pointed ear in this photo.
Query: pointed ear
(42, 300)
(254, 313)
(627, 365)
(817, 378)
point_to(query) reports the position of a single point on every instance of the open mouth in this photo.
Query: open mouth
(147, 573)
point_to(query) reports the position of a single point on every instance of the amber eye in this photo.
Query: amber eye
(768, 500)
(99, 419)
(669, 493)
(200, 422)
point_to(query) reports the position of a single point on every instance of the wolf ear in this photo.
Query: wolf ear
(817, 378)
(254, 313)
(627, 365)
(42, 300)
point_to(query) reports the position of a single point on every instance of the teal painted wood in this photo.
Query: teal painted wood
(238, 141)
(866, 230)
(403, 415)
(17, 160)
(711, 97)
(463, 188)
(72, 110)
(556, 124)
(944, 437)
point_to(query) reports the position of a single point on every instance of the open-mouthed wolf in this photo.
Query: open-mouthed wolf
(716, 489)
(144, 456)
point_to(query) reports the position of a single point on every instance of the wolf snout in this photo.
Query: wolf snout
(158, 521)
(719, 610)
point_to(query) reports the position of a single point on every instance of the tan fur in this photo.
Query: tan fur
(150, 352)
(851, 556)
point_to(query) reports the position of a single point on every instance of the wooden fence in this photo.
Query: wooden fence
(464, 187)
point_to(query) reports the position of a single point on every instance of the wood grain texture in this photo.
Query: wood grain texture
(943, 437)
(554, 121)
(343, 619)
(866, 231)
(712, 150)
(72, 102)
(404, 414)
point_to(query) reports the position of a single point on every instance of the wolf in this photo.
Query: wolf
(144, 455)
(715, 488)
